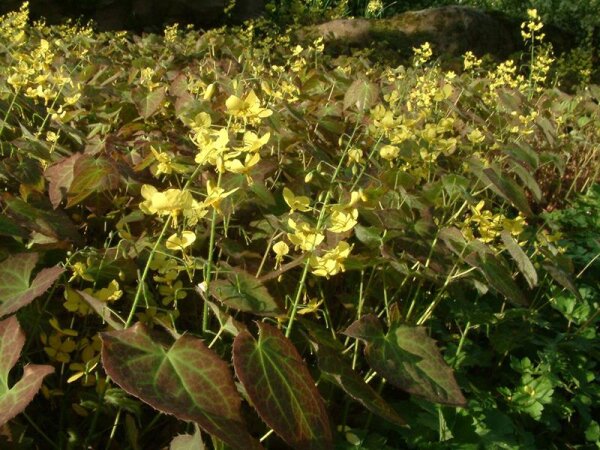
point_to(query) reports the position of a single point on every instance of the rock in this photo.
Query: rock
(451, 30)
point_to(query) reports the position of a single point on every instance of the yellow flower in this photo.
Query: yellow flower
(342, 219)
(170, 202)
(236, 166)
(476, 137)
(252, 143)
(389, 152)
(180, 242)
(280, 249)
(296, 203)
(57, 348)
(74, 302)
(215, 195)
(246, 108)
(331, 262)
(305, 237)
(212, 147)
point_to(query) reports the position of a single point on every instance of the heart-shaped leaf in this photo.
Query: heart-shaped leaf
(244, 292)
(91, 175)
(148, 103)
(14, 400)
(281, 388)
(362, 94)
(354, 385)
(184, 378)
(15, 289)
(408, 359)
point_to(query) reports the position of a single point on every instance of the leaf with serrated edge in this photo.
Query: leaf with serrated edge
(408, 359)
(185, 379)
(14, 400)
(354, 385)
(15, 289)
(188, 441)
(281, 388)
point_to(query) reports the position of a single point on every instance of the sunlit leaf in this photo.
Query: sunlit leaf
(523, 262)
(183, 378)
(361, 94)
(16, 290)
(409, 359)
(281, 388)
(13, 400)
(149, 103)
(90, 176)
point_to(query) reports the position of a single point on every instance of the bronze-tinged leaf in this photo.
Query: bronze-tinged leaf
(148, 103)
(14, 400)
(361, 94)
(244, 292)
(16, 291)
(91, 175)
(183, 378)
(281, 388)
(409, 359)
(60, 176)
(354, 385)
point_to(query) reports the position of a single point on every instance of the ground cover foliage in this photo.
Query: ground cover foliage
(237, 239)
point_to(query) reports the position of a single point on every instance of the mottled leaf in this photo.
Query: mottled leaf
(281, 388)
(354, 385)
(523, 262)
(60, 176)
(409, 359)
(15, 289)
(91, 175)
(13, 400)
(244, 292)
(361, 94)
(183, 378)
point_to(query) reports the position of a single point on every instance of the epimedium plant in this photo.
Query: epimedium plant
(226, 223)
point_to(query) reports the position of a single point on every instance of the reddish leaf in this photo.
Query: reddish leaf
(15, 289)
(362, 94)
(60, 177)
(184, 378)
(14, 400)
(408, 359)
(281, 388)
(91, 175)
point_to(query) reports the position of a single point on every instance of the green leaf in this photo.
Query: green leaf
(496, 273)
(361, 94)
(354, 385)
(14, 400)
(91, 175)
(522, 260)
(15, 289)
(183, 378)
(244, 292)
(148, 103)
(408, 359)
(508, 189)
(281, 388)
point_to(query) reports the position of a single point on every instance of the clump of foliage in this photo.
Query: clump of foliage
(276, 247)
